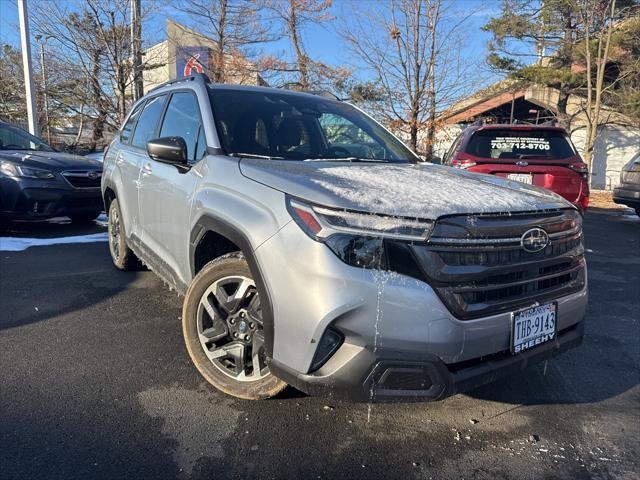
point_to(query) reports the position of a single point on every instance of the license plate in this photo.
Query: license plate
(533, 326)
(521, 177)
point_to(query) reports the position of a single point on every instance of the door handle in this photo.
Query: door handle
(146, 170)
(119, 159)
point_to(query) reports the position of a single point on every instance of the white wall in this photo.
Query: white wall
(614, 147)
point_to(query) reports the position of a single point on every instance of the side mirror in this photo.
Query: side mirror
(171, 150)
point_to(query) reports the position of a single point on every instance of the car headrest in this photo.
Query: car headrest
(289, 132)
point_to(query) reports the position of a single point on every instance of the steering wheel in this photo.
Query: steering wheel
(338, 150)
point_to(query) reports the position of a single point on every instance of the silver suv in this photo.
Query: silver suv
(315, 249)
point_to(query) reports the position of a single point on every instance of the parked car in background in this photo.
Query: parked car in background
(37, 182)
(314, 249)
(536, 155)
(628, 192)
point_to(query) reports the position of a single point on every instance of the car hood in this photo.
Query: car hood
(423, 191)
(56, 161)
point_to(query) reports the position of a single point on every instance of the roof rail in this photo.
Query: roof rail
(323, 93)
(200, 77)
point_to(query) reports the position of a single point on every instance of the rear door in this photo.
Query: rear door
(540, 157)
(166, 193)
(133, 160)
(127, 164)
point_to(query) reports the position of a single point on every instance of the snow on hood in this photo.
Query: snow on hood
(423, 191)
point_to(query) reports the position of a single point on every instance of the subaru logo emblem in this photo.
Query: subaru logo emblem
(534, 240)
(522, 163)
(93, 175)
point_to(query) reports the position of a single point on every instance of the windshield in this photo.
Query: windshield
(12, 138)
(297, 127)
(516, 144)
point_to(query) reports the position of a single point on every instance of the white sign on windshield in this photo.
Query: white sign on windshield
(530, 143)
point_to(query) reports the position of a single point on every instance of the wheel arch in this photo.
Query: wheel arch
(207, 229)
(108, 196)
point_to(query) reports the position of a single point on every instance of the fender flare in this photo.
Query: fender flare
(208, 223)
(108, 184)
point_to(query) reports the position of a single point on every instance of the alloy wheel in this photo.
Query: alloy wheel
(114, 233)
(230, 329)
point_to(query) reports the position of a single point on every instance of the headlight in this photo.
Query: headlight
(358, 239)
(321, 222)
(14, 170)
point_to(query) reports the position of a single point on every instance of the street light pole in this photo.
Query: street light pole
(44, 87)
(136, 41)
(28, 68)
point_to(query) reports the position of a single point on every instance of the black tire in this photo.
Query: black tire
(82, 219)
(230, 265)
(122, 256)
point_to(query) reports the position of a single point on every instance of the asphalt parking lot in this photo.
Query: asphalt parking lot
(96, 383)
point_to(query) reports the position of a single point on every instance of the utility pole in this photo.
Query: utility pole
(28, 69)
(136, 44)
(44, 86)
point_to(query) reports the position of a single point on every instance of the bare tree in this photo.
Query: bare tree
(92, 39)
(235, 25)
(303, 72)
(412, 48)
(598, 22)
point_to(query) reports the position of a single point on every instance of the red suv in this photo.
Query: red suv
(539, 155)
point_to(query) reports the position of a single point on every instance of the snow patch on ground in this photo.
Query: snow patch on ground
(102, 220)
(11, 244)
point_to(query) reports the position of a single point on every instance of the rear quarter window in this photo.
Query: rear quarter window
(516, 144)
(125, 133)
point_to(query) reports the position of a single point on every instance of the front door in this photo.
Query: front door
(166, 193)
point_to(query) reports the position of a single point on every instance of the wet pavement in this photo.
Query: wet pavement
(96, 383)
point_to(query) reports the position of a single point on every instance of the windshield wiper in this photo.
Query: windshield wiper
(255, 155)
(347, 159)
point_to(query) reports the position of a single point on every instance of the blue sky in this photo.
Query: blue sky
(320, 40)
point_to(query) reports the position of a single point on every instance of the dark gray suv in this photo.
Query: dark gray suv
(628, 191)
(37, 182)
(315, 249)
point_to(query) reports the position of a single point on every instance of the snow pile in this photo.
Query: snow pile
(11, 244)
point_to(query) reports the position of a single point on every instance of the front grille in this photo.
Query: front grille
(83, 178)
(84, 202)
(476, 271)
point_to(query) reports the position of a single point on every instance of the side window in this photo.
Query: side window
(339, 130)
(182, 119)
(148, 121)
(125, 134)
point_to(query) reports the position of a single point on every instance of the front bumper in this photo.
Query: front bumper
(33, 199)
(627, 196)
(392, 375)
(387, 319)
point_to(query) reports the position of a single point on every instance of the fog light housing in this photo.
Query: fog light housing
(357, 251)
(329, 343)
